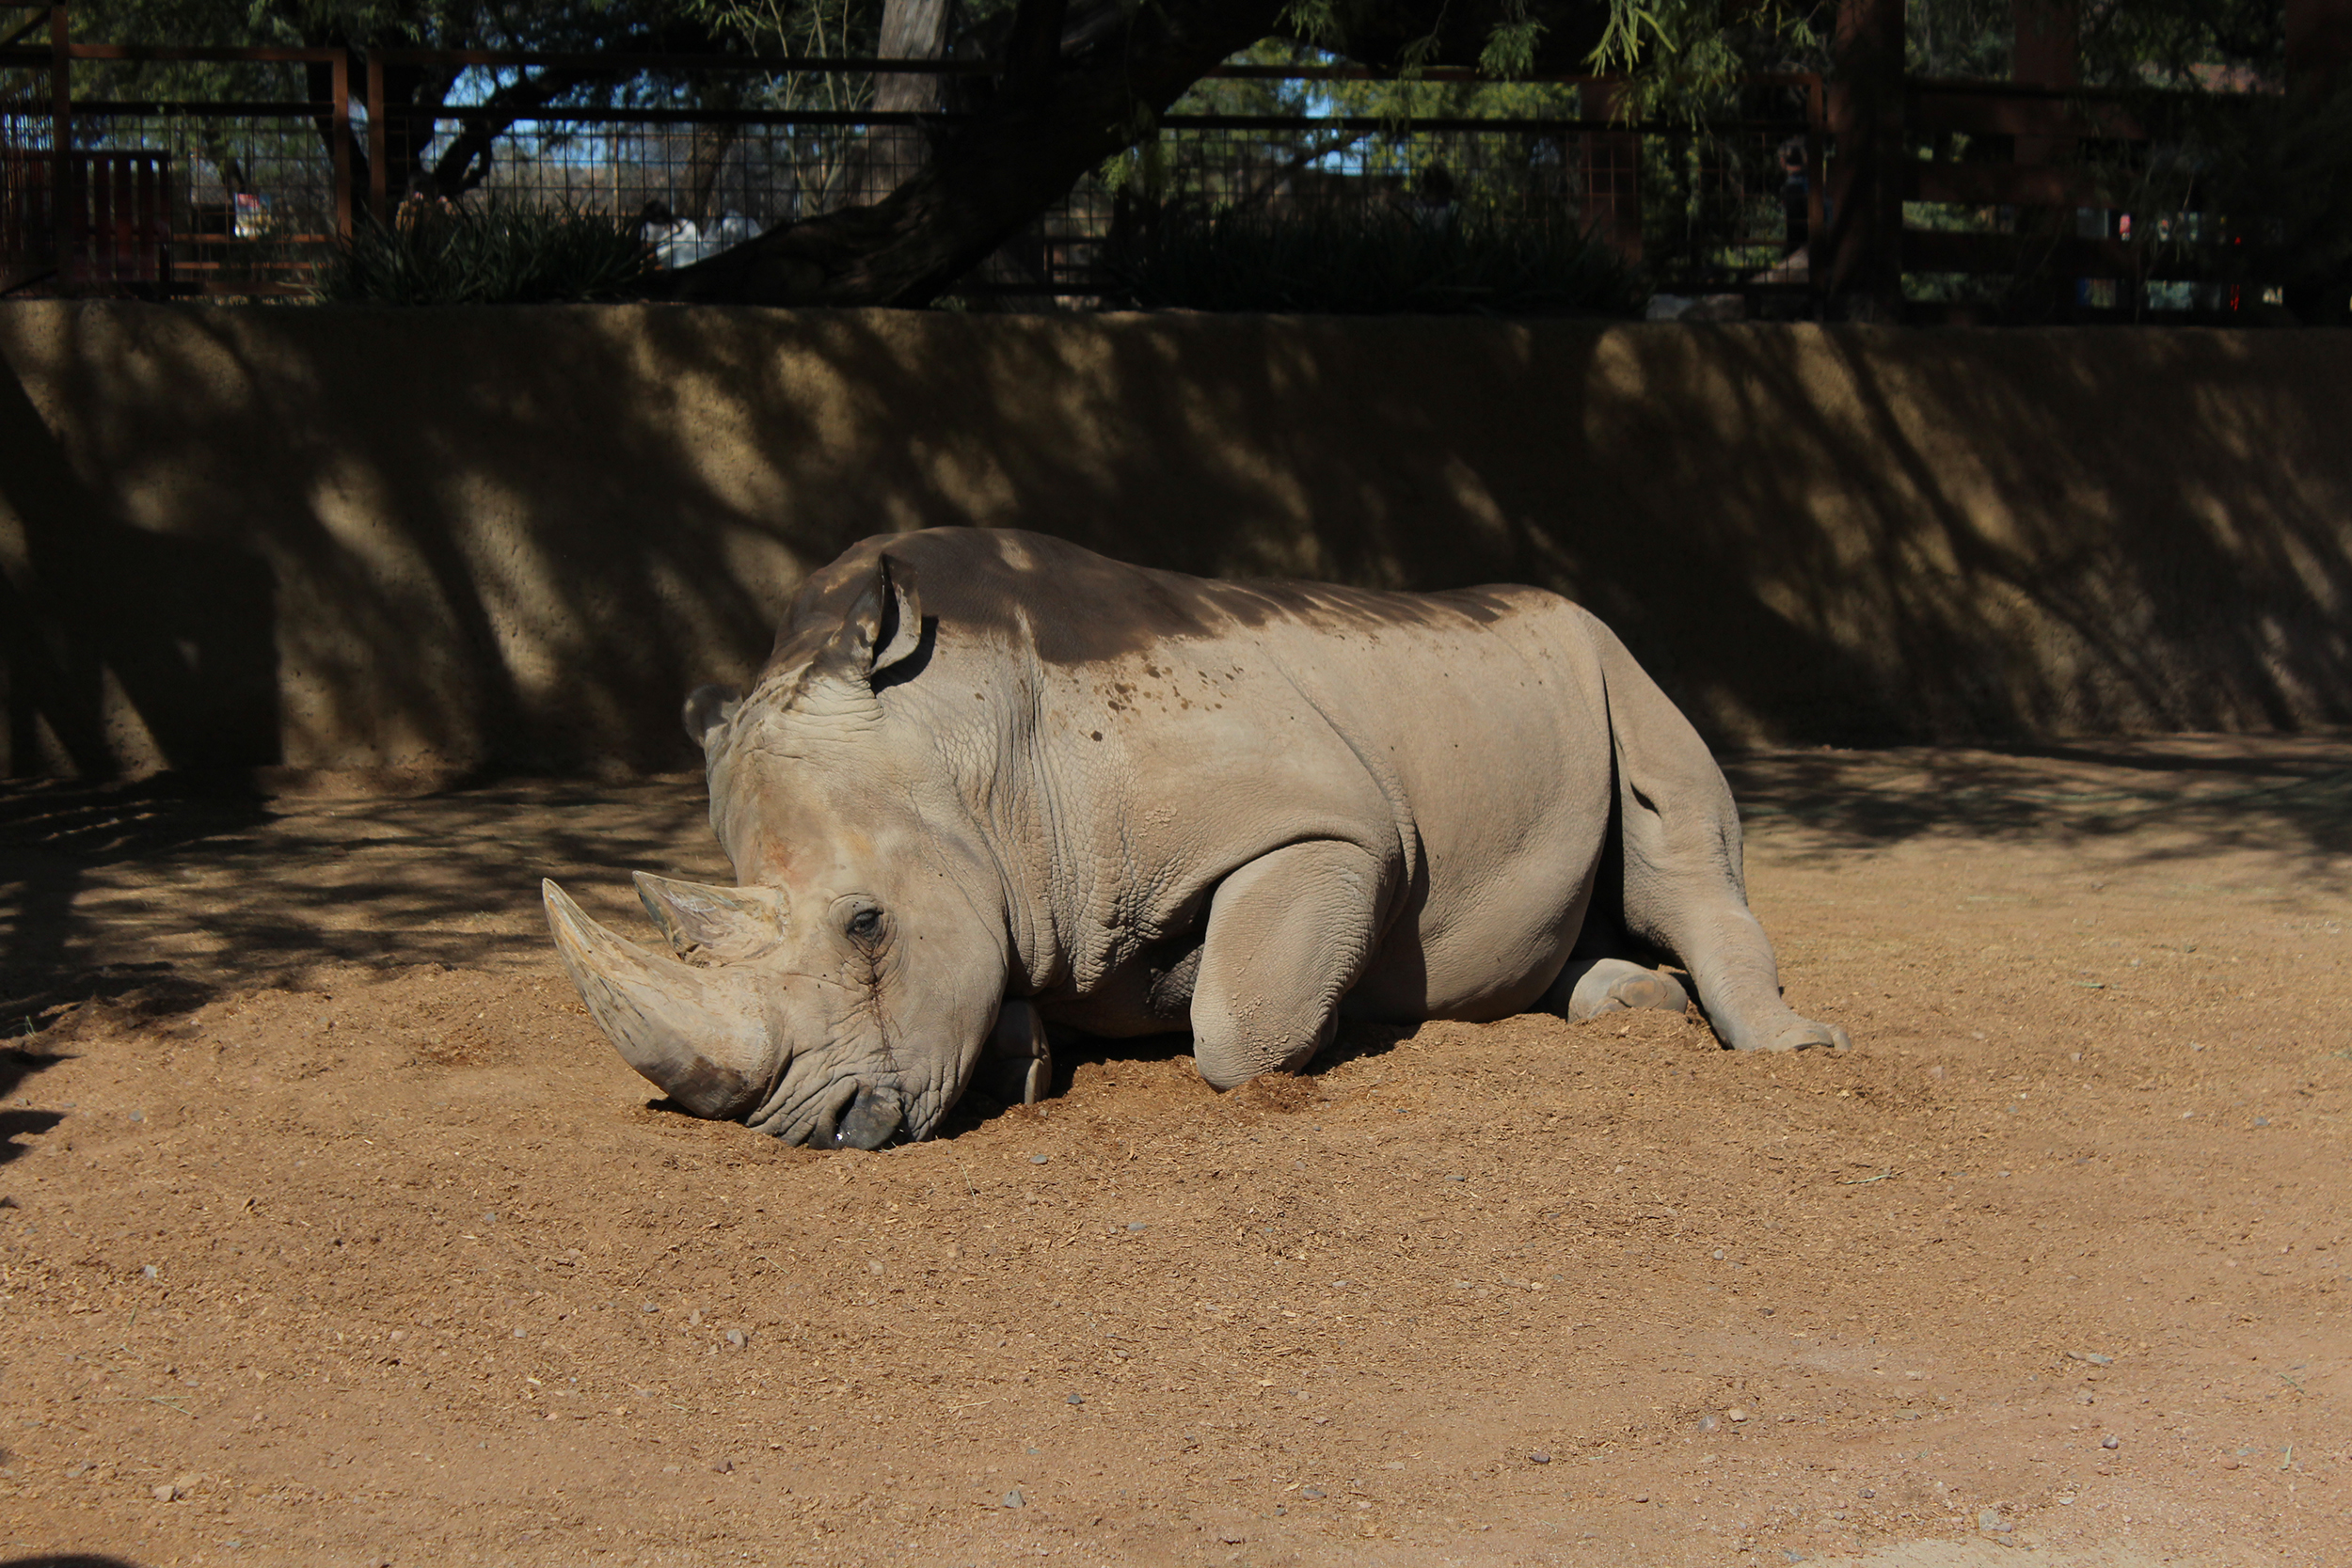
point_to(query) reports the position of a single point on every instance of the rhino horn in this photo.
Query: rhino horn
(706, 922)
(691, 1032)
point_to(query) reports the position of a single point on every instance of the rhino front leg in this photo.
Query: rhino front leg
(1289, 935)
(1016, 1063)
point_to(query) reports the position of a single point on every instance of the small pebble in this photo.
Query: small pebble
(520, 1333)
(2261, 1122)
(1077, 1399)
(1990, 1521)
(651, 1307)
(1136, 1226)
(1035, 1160)
(1313, 1491)
(1014, 1500)
(139, 1116)
(164, 1492)
(1709, 1423)
(736, 1339)
(724, 1466)
(1736, 1413)
(1868, 1492)
(152, 1272)
(2110, 1441)
(1641, 1496)
(1457, 1179)
(1717, 1255)
(1540, 1459)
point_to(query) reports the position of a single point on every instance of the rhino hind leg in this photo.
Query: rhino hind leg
(1588, 988)
(1289, 935)
(1679, 847)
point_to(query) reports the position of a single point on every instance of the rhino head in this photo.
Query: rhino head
(844, 992)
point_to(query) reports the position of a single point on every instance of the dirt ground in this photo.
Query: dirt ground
(333, 1233)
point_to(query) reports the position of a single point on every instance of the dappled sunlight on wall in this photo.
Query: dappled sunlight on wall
(443, 540)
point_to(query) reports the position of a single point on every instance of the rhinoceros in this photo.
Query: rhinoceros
(989, 781)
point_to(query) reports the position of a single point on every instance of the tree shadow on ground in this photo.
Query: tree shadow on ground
(2158, 800)
(156, 898)
(160, 900)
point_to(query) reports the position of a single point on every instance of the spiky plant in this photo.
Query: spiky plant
(491, 252)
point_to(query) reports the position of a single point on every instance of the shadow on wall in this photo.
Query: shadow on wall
(515, 538)
(122, 645)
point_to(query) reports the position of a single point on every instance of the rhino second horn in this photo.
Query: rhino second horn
(711, 923)
(691, 1032)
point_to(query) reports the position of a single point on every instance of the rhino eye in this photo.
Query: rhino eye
(864, 924)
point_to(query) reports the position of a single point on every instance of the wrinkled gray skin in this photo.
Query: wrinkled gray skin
(989, 779)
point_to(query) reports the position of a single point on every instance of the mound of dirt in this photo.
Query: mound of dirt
(334, 1233)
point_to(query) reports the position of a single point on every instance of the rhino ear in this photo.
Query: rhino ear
(706, 708)
(885, 626)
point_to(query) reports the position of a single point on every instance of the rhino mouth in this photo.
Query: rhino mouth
(844, 1113)
(870, 1119)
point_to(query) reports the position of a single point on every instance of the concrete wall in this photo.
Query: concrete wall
(346, 539)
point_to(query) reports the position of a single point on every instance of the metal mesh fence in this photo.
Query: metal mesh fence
(249, 198)
(245, 204)
(27, 226)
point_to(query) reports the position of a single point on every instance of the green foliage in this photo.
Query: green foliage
(2184, 43)
(1391, 99)
(1351, 259)
(1683, 60)
(1964, 39)
(804, 27)
(1510, 48)
(488, 252)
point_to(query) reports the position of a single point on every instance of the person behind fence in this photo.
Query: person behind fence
(1795, 193)
(1433, 202)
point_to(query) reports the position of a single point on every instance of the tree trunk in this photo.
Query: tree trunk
(910, 30)
(1076, 89)
(1866, 215)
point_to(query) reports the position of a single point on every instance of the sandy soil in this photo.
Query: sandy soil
(333, 1233)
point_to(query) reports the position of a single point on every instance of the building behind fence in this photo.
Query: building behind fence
(247, 199)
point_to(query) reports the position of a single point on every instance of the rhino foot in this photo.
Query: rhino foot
(1805, 1035)
(1615, 986)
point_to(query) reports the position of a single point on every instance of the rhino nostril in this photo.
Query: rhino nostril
(870, 1121)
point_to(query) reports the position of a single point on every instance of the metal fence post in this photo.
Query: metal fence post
(63, 199)
(378, 142)
(342, 76)
(1817, 250)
